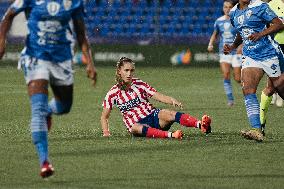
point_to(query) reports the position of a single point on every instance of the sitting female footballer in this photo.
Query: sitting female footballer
(141, 118)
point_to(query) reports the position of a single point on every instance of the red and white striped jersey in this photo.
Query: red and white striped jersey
(132, 103)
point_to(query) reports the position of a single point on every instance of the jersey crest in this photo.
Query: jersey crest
(53, 8)
(241, 19)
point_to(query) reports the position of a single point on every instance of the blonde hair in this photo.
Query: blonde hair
(119, 64)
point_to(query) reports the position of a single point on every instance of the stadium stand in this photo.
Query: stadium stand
(148, 18)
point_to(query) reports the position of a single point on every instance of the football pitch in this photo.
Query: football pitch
(82, 158)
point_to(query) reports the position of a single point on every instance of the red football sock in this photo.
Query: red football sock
(156, 133)
(188, 121)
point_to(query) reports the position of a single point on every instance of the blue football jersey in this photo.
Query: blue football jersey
(251, 20)
(226, 31)
(49, 29)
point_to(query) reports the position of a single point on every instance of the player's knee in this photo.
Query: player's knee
(66, 108)
(137, 130)
(167, 115)
(226, 75)
(279, 83)
(249, 90)
(269, 91)
(237, 79)
(59, 107)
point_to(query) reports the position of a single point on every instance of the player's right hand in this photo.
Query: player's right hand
(227, 49)
(92, 73)
(210, 48)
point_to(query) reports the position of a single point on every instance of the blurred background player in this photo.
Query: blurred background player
(268, 95)
(47, 59)
(226, 33)
(140, 117)
(260, 55)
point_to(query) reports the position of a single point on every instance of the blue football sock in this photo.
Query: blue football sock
(39, 105)
(144, 131)
(41, 144)
(228, 89)
(252, 107)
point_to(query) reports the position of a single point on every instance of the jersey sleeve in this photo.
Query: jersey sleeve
(231, 14)
(109, 100)
(266, 13)
(20, 5)
(216, 27)
(149, 91)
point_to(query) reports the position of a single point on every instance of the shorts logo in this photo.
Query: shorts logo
(53, 8)
(67, 4)
(241, 19)
(273, 67)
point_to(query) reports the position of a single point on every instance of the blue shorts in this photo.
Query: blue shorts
(152, 120)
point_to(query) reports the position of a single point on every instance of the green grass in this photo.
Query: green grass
(84, 159)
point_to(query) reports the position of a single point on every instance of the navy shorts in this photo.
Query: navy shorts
(152, 120)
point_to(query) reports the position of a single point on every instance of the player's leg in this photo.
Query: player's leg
(237, 74)
(151, 132)
(237, 65)
(62, 86)
(273, 100)
(37, 76)
(225, 68)
(279, 101)
(38, 90)
(251, 77)
(150, 127)
(62, 101)
(266, 97)
(278, 83)
(167, 117)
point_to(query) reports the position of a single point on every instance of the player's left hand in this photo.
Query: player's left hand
(255, 36)
(227, 49)
(92, 73)
(177, 103)
(2, 48)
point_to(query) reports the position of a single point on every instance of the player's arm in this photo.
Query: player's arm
(212, 41)
(4, 28)
(104, 121)
(79, 27)
(166, 99)
(238, 41)
(276, 26)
